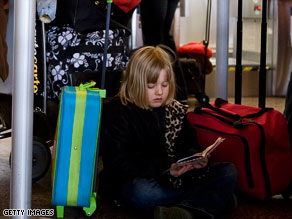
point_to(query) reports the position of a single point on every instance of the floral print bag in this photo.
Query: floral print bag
(70, 52)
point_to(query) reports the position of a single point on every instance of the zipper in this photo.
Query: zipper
(263, 160)
(247, 164)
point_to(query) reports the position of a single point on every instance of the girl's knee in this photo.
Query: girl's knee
(230, 174)
(146, 195)
(226, 173)
(231, 171)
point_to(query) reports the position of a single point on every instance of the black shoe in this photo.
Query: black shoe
(176, 212)
(161, 212)
(233, 202)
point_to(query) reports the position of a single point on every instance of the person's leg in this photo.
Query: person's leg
(153, 14)
(181, 94)
(146, 194)
(213, 197)
(167, 37)
(215, 194)
(288, 107)
(156, 19)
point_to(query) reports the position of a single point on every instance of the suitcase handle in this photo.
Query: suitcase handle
(219, 102)
(224, 112)
(228, 114)
(103, 69)
(235, 123)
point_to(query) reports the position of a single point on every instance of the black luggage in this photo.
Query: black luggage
(193, 76)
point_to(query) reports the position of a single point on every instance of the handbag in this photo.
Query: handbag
(70, 53)
(84, 15)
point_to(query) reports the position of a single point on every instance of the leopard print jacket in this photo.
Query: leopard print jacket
(174, 115)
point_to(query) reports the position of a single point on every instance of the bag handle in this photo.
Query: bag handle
(228, 114)
(108, 14)
(220, 101)
(223, 112)
(236, 123)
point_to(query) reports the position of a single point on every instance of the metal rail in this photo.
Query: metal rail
(22, 102)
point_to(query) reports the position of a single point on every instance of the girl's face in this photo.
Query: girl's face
(158, 93)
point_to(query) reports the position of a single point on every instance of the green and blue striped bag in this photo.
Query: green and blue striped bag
(75, 149)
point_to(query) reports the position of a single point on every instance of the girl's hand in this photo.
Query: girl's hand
(179, 169)
(200, 163)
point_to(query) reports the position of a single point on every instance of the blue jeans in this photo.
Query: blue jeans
(214, 196)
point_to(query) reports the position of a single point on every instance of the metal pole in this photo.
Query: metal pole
(22, 112)
(45, 68)
(206, 41)
(222, 35)
(238, 68)
(263, 71)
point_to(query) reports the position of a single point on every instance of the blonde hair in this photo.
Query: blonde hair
(144, 67)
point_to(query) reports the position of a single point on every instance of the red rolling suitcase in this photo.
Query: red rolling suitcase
(257, 142)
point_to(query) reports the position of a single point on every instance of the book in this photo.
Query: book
(198, 156)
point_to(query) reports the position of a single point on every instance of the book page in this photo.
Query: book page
(202, 154)
(212, 147)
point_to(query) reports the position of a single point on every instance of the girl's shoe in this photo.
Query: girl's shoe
(174, 212)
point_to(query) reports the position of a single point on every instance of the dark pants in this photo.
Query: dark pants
(214, 196)
(288, 107)
(156, 18)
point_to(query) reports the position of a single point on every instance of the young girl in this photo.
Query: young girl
(144, 132)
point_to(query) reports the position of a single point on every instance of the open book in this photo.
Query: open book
(201, 155)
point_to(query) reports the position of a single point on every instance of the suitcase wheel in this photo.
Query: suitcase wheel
(60, 211)
(41, 159)
(90, 210)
